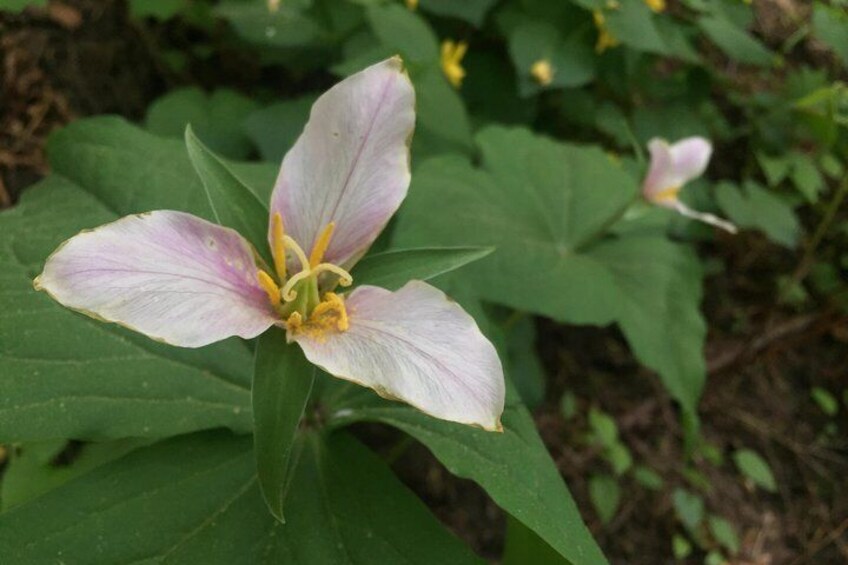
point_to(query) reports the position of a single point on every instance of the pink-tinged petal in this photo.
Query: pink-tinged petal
(351, 163)
(169, 275)
(710, 219)
(672, 166)
(417, 346)
(659, 169)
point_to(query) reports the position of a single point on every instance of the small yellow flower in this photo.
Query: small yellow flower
(656, 6)
(273, 6)
(452, 54)
(542, 71)
(606, 40)
(412, 4)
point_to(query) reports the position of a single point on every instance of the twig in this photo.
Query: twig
(5, 197)
(786, 329)
(830, 538)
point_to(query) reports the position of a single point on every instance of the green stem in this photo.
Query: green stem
(604, 228)
(821, 230)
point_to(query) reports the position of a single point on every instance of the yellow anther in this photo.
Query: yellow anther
(269, 286)
(273, 6)
(298, 251)
(331, 312)
(542, 71)
(327, 317)
(666, 195)
(656, 6)
(605, 39)
(321, 245)
(278, 245)
(452, 54)
(294, 323)
(412, 5)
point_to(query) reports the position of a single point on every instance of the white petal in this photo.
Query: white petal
(169, 275)
(690, 157)
(351, 163)
(684, 210)
(673, 166)
(417, 346)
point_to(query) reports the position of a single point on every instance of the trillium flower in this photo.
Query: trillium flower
(185, 281)
(656, 6)
(542, 72)
(672, 166)
(451, 61)
(606, 40)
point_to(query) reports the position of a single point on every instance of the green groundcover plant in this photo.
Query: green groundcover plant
(189, 282)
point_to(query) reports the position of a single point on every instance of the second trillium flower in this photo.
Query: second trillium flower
(185, 281)
(672, 167)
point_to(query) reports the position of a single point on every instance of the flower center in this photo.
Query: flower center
(328, 316)
(669, 194)
(297, 298)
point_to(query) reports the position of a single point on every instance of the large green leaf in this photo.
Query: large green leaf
(513, 467)
(545, 206)
(67, 375)
(290, 26)
(274, 129)
(126, 168)
(217, 118)
(18, 5)
(195, 499)
(472, 11)
(32, 469)
(233, 204)
(522, 546)
(752, 206)
(537, 202)
(405, 31)
(633, 25)
(659, 285)
(830, 25)
(282, 381)
(393, 269)
(571, 57)
(735, 42)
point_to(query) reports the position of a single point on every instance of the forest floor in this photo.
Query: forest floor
(84, 57)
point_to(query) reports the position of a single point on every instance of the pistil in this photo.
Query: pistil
(297, 298)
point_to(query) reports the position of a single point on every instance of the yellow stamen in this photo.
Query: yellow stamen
(321, 245)
(656, 6)
(542, 71)
(666, 195)
(273, 6)
(294, 323)
(412, 5)
(605, 39)
(328, 316)
(279, 245)
(298, 251)
(331, 311)
(451, 59)
(269, 286)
